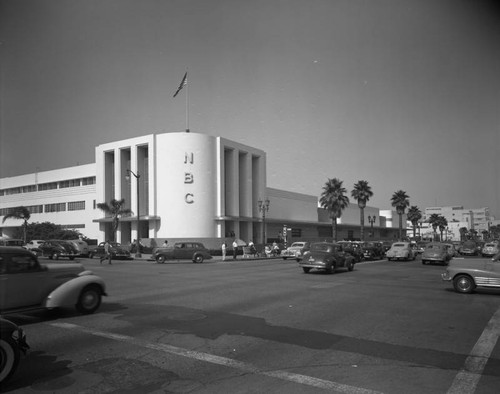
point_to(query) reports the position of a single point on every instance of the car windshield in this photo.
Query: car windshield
(398, 245)
(469, 244)
(297, 245)
(434, 246)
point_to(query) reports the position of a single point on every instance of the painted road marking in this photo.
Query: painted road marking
(228, 362)
(467, 379)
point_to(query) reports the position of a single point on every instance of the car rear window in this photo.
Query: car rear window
(399, 245)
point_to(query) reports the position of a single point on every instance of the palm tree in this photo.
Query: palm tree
(362, 193)
(400, 200)
(115, 210)
(442, 225)
(434, 221)
(21, 213)
(335, 201)
(463, 233)
(414, 216)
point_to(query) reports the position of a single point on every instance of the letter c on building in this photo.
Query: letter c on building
(189, 198)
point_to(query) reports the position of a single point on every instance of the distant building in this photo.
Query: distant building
(458, 217)
(185, 185)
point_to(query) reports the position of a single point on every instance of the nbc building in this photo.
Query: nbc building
(180, 185)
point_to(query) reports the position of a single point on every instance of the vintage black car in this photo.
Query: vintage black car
(194, 251)
(117, 251)
(326, 257)
(373, 250)
(55, 249)
(354, 248)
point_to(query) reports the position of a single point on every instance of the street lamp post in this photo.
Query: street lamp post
(137, 241)
(371, 220)
(263, 208)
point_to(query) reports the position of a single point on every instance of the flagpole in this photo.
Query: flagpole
(187, 104)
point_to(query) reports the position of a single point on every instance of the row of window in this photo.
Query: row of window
(48, 186)
(47, 208)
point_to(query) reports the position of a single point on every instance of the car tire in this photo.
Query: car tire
(350, 266)
(198, 259)
(284, 258)
(89, 300)
(160, 259)
(72, 258)
(464, 284)
(330, 269)
(306, 270)
(389, 258)
(9, 355)
(91, 255)
(424, 262)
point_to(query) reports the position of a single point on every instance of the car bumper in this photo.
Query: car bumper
(316, 265)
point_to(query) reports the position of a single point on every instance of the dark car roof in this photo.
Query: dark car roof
(14, 250)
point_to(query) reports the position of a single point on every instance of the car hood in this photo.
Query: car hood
(468, 263)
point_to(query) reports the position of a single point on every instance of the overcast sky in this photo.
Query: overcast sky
(402, 93)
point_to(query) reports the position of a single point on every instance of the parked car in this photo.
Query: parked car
(326, 257)
(117, 251)
(400, 251)
(421, 246)
(354, 249)
(452, 251)
(468, 274)
(82, 247)
(34, 244)
(12, 344)
(469, 248)
(194, 251)
(54, 249)
(296, 250)
(490, 249)
(372, 250)
(435, 252)
(27, 284)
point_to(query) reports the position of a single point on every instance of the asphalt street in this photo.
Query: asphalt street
(263, 326)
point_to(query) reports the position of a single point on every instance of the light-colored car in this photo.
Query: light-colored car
(27, 284)
(435, 252)
(468, 274)
(400, 251)
(296, 250)
(490, 249)
(325, 256)
(34, 244)
(82, 246)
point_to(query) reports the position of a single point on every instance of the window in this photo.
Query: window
(76, 206)
(69, 183)
(296, 232)
(88, 181)
(47, 186)
(55, 207)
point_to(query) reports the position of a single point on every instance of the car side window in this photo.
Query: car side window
(21, 264)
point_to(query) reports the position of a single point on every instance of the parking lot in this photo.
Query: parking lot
(265, 326)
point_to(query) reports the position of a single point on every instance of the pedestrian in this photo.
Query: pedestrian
(107, 253)
(223, 247)
(235, 249)
(165, 244)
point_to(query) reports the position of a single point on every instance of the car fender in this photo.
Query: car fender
(68, 293)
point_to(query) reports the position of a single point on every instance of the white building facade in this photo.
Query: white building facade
(178, 186)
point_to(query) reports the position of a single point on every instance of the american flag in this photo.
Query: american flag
(183, 83)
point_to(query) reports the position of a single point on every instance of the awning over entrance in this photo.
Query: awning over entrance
(127, 219)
